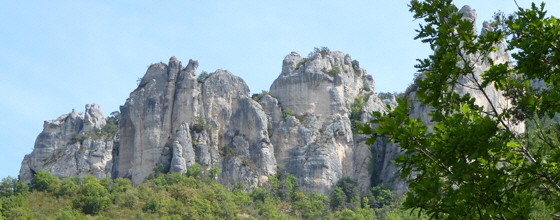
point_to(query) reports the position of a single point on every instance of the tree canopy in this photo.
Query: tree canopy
(474, 163)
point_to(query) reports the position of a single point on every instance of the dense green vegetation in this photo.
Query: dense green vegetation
(475, 164)
(194, 195)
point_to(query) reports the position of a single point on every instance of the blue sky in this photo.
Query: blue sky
(56, 56)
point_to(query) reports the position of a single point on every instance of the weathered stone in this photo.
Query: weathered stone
(317, 144)
(305, 126)
(66, 147)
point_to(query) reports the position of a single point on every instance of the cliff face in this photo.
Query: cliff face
(305, 126)
(317, 143)
(174, 118)
(60, 151)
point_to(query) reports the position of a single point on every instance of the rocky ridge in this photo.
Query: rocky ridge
(58, 151)
(175, 118)
(304, 126)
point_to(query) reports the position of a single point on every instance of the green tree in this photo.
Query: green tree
(152, 206)
(202, 76)
(15, 207)
(346, 194)
(11, 186)
(213, 173)
(379, 196)
(338, 199)
(474, 164)
(93, 198)
(194, 171)
(44, 181)
(67, 187)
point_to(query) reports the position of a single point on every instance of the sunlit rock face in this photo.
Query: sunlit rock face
(317, 143)
(305, 126)
(60, 151)
(175, 119)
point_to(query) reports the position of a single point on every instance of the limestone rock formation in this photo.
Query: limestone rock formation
(68, 147)
(176, 119)
(305, 126)
(314, 140)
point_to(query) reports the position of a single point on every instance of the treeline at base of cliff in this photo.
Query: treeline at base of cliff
(194, 195)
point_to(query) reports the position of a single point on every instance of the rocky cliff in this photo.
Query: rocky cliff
(304, 126)
(69, 146)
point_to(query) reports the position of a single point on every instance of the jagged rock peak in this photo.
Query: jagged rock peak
(175, 119)
(93, 119)
(322, 84)
(67, 147)
(317, 144)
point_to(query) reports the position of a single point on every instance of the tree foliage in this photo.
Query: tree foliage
(474, 164)
(44, 181)
(179, 196)
(94, 197)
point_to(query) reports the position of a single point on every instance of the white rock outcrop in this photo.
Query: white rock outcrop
(305, 126)
(175, 119)
(317, 143)
(67, 147)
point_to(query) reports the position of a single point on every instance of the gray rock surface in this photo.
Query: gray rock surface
(305, 126)
(174, 120)
(317, 144)
(57, 151)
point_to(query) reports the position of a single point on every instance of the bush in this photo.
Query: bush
(194, 171)
(202, 77)
(346, 194)
(214, 173)
(152, 206)
(356, 111)
(112, 125)
(323, 51)
(94, 198)
(228, 152)
(356, 66)
(379, 196)
(258, 96)
(44, 181)
(11, 186)
(199, 124)
(15, 207)
(78, 138)
(260, 194)
(141, 82)
(67, 188)
(332, 72)
(287, 113)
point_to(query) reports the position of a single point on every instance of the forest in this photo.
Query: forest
(194, 195)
